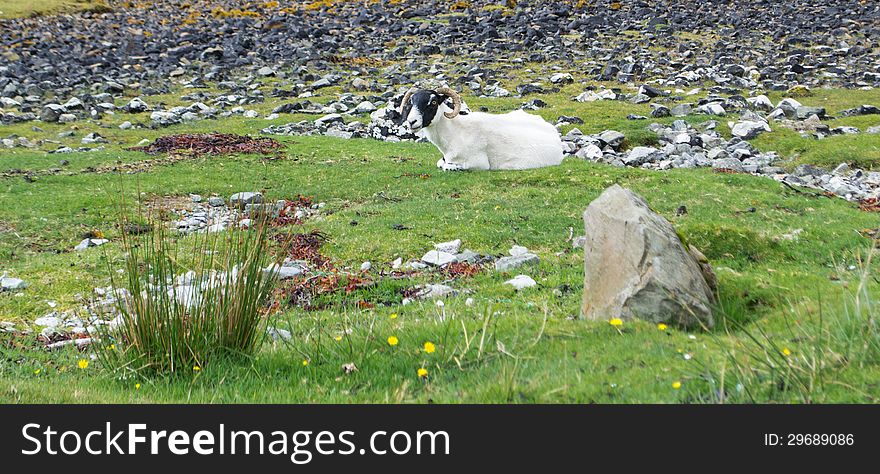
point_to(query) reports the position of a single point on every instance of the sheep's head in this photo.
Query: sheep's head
(419, 107)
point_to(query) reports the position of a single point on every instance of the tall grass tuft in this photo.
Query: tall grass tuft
(188, 300)
(799, 364)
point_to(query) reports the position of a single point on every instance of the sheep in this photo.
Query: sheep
(480, 141)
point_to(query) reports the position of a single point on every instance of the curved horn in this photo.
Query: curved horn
(405, 99)
(456, 101)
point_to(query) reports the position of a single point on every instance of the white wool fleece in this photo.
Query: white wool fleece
(481, 141)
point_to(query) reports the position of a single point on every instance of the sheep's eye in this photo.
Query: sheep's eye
(433, 102)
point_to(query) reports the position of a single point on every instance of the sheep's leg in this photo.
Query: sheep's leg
(449, 166)
(473, 162)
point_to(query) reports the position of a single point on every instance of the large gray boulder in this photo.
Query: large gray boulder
(637, 267)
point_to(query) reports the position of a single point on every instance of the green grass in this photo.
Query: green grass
(19, 8)
(508, 346)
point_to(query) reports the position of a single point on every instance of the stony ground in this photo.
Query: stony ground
(752, 127)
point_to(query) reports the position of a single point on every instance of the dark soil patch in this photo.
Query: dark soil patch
(210, 144)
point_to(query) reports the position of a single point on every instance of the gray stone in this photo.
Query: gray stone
(728, 164)
(748, 130)
(286, 270)
(804, 112)
(438, 258)
(468, 256)
(136, 106)
(8, 283)
(241, 200)
(364, 107)
(52, 112)
(449, 247)
(521, 282)
(504, 264)
(277, 334)
(266, 71)
(612, 137)
(163, 118)
(636, 266)
(640, 155)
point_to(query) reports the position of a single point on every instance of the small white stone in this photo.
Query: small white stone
(521, 282)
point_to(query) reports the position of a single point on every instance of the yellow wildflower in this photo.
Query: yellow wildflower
(393, 316)
(37, 372)
(429, 347)
(83, 364)
(392, 340)
(137, 386)
(305, 362)
(786, 352)
(616, 322)
(661, 327)
(196, 368)
(676, 385)
(423, 372)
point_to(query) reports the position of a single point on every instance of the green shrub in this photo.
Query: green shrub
(189, 301)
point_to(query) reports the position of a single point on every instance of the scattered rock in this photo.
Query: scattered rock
(636, 266)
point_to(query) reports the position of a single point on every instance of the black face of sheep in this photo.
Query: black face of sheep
(419, 108)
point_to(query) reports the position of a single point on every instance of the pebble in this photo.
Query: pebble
(521, 282)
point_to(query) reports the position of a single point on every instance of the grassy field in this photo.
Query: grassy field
(22, 8)
(506, 347)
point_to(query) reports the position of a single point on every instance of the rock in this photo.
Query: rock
(243, 199)
(163, 118)
(748, 130)
(86, 243)
(468, 256)
(504, 264)
(732, 164)
(636, 266)
(518, 251)
(712, 108)
(266, 71)
(590, 152)
(590, 96)
(50, 320)
(328, 119)
(561, 78)
(521, 282)
(449, 247)
(612, 138)
(438, 258)
(215, 201)
(286, 270)
(681, 110)
(8, 283)
(366, 266)
(365, 107)
(93, 138)
(277, 334)
(803, 112)
(52, 112)
(640, 155)
(861, 110)
(136, 106)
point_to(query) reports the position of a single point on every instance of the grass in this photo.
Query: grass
(507, 346)
(18, 8)
(164, 327)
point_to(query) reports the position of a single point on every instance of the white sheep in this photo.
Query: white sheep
(480, 141)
